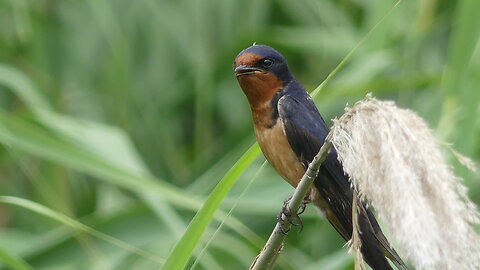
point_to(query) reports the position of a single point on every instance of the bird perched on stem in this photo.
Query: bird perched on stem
(290, 132)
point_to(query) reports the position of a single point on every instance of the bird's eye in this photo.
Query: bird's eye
(266, 62)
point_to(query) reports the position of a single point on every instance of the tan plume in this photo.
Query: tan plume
(394, 162)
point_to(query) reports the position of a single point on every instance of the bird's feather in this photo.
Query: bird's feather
(306, 131)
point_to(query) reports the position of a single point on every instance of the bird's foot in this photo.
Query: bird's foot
(293, 219)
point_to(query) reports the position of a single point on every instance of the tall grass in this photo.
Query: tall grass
(124, 115)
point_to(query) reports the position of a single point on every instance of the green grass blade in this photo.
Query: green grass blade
(204, 249)
(92, 135)
(182, 251)
(20, 134)
(13, 261)
(22, 86)
(462, 44)
(347, 57)
(65, 220)
(460, 80)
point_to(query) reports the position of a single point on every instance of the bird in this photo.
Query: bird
(290, 131)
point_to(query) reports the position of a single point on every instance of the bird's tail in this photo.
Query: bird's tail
(375, 246)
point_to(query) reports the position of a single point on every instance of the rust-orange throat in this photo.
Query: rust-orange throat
(258, 84)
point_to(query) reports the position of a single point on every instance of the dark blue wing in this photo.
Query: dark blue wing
(306, 131)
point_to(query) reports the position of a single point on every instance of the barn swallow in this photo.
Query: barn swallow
(290, 132)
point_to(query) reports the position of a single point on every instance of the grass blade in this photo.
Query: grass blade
(13, 261)
(49, 213)
(182, 252)
(460, 80)
(20, 134)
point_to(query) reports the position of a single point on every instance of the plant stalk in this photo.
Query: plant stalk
(274, 245)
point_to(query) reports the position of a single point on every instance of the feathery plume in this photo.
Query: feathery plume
(393, 161)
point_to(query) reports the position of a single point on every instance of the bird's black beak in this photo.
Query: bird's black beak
(246, 70)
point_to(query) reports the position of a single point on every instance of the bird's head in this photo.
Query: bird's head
(261, 71)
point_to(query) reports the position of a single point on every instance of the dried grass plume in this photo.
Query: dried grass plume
(394, 162)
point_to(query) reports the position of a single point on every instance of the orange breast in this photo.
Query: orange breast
(277, 151)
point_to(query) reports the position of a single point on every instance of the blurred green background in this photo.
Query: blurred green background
(124, 115)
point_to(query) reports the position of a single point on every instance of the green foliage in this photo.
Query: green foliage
(124, 116)
(183, 249)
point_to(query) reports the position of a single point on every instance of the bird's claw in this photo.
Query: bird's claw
(293, 219)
